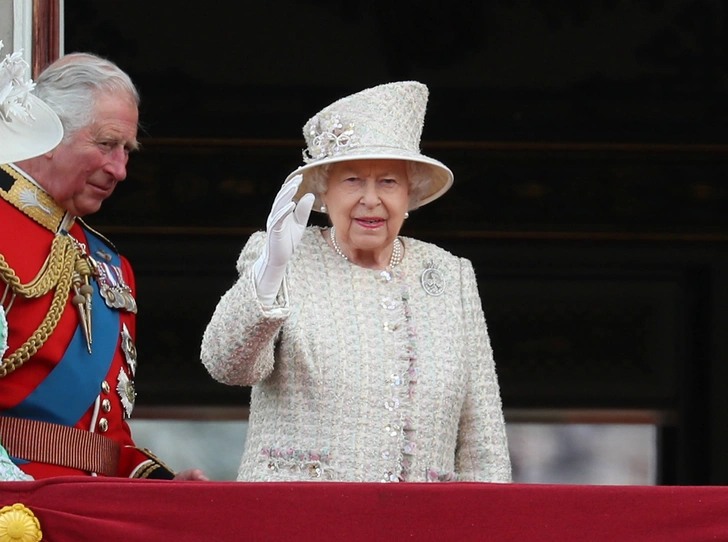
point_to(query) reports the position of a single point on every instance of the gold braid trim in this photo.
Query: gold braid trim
(156, 464)
(48, 276)
(32, 200)
(57, 272)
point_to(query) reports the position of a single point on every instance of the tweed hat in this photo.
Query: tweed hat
(28, 126)
(383, 123)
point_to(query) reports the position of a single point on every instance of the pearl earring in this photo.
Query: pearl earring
(323, 208)
(406, 214)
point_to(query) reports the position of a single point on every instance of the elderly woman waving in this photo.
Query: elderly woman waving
(367, 351)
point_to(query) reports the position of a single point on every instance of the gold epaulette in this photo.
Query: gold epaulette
(30, 199)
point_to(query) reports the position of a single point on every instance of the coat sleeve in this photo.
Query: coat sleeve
(482, 452)
(141, 463)
(238, 343)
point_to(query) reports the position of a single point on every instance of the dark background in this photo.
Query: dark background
(589, 145)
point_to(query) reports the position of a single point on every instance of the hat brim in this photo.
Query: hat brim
(440, 181)
(25, 139)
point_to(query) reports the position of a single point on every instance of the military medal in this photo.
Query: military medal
(116, 293)
(101, 253)
(130, 352)
(432, 281)
(125, 389)
(125, 386)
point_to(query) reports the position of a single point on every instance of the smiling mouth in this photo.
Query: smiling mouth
(104, 189)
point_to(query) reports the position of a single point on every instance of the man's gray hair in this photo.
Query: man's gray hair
(72, 85)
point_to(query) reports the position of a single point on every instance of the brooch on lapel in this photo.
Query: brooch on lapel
(431, 279)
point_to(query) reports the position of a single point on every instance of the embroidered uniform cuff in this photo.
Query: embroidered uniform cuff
(153, 468)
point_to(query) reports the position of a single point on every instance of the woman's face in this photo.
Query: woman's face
(367, 201)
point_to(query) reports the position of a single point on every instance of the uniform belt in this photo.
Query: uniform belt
(59, 445)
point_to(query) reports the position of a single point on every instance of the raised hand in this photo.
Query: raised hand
(285, 225)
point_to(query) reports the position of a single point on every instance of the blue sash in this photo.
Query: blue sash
(73, 385)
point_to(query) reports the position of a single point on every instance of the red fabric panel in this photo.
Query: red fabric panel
(79, 508)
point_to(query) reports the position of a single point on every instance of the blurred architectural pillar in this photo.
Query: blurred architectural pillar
(46, 33)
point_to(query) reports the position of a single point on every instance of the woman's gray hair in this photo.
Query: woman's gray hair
(419, 176)
(72, 85)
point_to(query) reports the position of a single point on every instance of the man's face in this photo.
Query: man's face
(87, 167)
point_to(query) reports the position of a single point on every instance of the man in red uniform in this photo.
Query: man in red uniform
(28, 128)
(66, 380)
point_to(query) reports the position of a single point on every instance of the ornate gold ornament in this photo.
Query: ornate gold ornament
(68, 268)
(19, 524)
(57, 275)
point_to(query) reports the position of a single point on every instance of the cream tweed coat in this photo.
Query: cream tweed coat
(359, 375)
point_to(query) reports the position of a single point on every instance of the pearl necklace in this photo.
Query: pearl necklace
(394, 260)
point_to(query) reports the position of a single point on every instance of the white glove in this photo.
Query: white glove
(285, 226)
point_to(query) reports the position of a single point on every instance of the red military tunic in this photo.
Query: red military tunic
(62, 383)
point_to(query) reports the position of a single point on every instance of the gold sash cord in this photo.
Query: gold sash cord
(57, 272)
(60, 445)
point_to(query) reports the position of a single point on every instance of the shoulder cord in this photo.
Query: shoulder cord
(57, 272)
